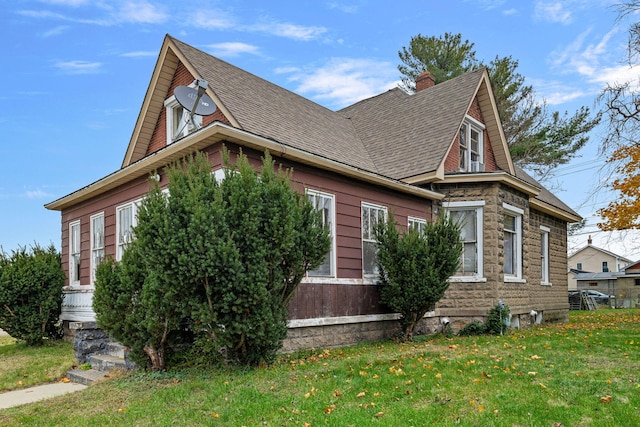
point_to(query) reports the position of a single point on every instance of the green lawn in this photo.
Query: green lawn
(584, 373)
(22, 366)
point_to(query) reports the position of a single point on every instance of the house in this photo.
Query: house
(623, 286)
(440, 150)
(592, 259)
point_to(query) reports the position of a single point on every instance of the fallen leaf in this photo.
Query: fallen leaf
(65, 380)
(605, 399)
(361, 394)
(379, 414)
(532, 373)
(215, 415)
(337, 393)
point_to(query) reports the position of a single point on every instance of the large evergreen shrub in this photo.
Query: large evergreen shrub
(226, 256)
(31, 293)
(415, 267)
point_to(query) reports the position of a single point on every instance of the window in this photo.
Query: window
(125, 221)
(325, 203)
(74, 253)
(180, 123)
(371, 216)
(605, 267)
(636, 282)
(416, 224)
(97, 243)
(512, 242)
(544, 255)
(579, 266)
(471, 146)
(469, 216)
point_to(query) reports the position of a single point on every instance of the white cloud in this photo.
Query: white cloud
(55, 31)
(343, 81)
(72, 3)
(552, 12)
(212, 19)
(291, 31)
(37, 194)
(78, 67)
(230, 49)
(138, 53)
(141, 12)
(346, 8)
(510, 12)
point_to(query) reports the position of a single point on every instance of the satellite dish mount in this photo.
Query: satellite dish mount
(195, 100)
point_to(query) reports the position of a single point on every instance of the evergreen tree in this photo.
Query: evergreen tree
(415, 267)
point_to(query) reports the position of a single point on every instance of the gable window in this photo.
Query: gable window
(579, 266)
(180, 123)
(372, 215)
(469, 217)
(325, 203)
(74, 253)
(416, 224)
(97, 243)
(471, 146)
(544, 255)
(512, 242)
(605, 267)
(125, 221)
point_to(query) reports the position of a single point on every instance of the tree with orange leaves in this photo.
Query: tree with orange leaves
(624, 213)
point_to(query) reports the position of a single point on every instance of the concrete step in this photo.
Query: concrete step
(85, 377)
(115, 349)
(106, 362)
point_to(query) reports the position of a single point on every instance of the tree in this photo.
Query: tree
(31, 293)
(415, 267)
(226, 256)
(538, 138)
(621, 104)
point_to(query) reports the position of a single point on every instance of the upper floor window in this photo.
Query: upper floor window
(372, 215)
(471, 146)
(512, 242)
(74, 253)
(325, 203)
(469, 217)
(180, 122)
(125, 221)
(605, 267)
(97, 243)
(416, 224)
(579, 266)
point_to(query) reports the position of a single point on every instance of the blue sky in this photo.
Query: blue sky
(75, 72)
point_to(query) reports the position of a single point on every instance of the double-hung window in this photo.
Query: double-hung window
(471, 146)
(468, 215)
(372, 215)
(414, 223)
(74, 253)
(125, 221)
(544, 255)
(512, 232)
(180, 122)
(325, 204)
(97, 243)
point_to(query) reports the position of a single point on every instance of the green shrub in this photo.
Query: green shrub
(472, 329)
(31, 293)
(494, 324)
(415, 267)
(227, 256)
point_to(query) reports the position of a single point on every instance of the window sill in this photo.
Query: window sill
(546, 284)
(514, 280)
(467, 279)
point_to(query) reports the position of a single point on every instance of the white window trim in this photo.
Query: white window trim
(170, 104)
(546, 269)
(72, 265)
(333, 260)
(371, 206)
(478, 205)
(134, 221)
(416, 220)
(92, 264)
(518, 214)
(472, 124)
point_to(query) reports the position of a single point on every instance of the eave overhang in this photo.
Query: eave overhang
(217, 132)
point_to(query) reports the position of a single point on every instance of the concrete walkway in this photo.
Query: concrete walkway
(34, 394)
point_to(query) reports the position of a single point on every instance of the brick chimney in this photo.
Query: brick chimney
(425, 81)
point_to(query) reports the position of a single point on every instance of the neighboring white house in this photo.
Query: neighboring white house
(592, 259)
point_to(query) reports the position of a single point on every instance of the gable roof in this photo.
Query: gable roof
(408, 135)
(604, 251)
(395, 139)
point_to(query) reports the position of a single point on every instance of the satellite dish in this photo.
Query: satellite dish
(194, 100)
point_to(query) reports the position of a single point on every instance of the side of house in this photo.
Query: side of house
(593, 259)
(440, 151)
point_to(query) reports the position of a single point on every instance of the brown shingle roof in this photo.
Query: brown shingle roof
(268, 110)
(408, 135)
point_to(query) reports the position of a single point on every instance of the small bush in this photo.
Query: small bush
(472, 329)
(31, 293)
(494, 324)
